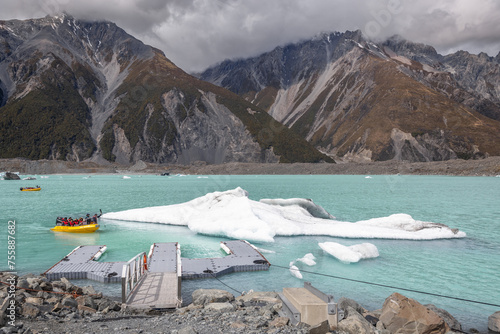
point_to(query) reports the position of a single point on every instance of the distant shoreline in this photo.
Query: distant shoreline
(484, 167)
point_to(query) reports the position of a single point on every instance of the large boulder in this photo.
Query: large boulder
(69, 301)
(279, 322)
(33, 281)
(447, 317)
(54, 299)
(259, 297)
(34, 300)
(3, 313)
(403, 315)
(87, 309)
(221, 307)
(46, 286)
(344, 303)
(355, 323)
(23, 284)
(206, 296)
(86, 301)
(59, 286)
(89, 290)
(11, 176)
(68, 285)
(30, 310)
(108, 304)
(494, 322)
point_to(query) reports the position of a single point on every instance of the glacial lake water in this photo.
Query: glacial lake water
(467, 268)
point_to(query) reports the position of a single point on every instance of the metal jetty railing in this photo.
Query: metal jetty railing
(132, 274)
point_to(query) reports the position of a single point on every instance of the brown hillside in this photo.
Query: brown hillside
(382, 99)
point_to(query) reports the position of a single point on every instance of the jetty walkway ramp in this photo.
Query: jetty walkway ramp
(153, 280)
(160, 285)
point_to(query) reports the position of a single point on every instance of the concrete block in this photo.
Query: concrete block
(313, 310)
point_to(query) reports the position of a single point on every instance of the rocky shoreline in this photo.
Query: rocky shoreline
(484, 167)
(32, 304)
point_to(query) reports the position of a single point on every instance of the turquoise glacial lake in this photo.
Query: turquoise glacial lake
(467, 268)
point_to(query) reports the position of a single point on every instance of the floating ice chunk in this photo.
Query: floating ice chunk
(295, 271)
(265, 251)
(366, 250)
(352, 253)
(232, 214)
(368, 177)
(308, 259)
(125, 177)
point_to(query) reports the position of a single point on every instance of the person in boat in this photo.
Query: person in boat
(88, 220)
(94, 218)
(60, 221)
(65, 221)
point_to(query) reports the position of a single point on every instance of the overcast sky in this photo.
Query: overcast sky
(197, 33)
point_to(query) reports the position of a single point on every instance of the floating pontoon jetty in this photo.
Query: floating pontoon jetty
(153, 280)
(82, 263)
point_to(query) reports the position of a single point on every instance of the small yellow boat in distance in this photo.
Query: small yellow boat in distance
(77, 229)
(31, 188)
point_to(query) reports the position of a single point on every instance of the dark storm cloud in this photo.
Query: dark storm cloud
(197, 33)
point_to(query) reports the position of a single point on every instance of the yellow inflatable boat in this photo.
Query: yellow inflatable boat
(77, 229)
(31, 188)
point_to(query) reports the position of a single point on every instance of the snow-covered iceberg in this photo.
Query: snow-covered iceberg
(350, 254)
(232, 214)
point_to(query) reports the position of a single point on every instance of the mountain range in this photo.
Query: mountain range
(363, 101)
(78, 90)
(86, 90)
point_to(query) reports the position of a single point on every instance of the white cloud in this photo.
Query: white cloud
(197, 33)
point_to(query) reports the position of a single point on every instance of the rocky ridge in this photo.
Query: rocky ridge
(42, 306)
(466, 78)
(364, 101)
(103, 95)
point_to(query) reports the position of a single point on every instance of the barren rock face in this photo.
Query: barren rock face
(104, 96)
(347, 96)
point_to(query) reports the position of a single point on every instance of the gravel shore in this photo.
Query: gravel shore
(175, 322)
(484, 167)
(32, 304)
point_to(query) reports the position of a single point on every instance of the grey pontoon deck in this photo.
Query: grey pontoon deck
(243, 257)
(81, 264)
